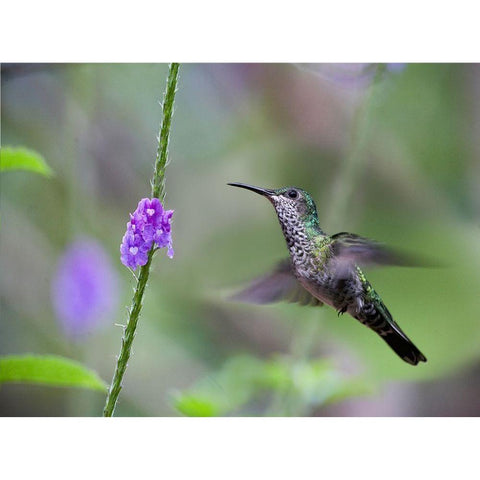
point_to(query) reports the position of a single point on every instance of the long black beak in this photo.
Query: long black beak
(261, 191)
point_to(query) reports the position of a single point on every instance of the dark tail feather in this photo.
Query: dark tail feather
(404, 348)
(377, 317)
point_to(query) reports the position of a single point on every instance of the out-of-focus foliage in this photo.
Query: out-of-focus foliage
(245, 379)
(23, 159)
(48, 370)
(415, 188)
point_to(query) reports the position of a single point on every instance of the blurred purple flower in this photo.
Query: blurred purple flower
(396, 67)
(84, 288)
(349, 74)
(149, 224)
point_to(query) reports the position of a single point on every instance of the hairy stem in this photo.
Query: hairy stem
(158, 191)
(158, 183)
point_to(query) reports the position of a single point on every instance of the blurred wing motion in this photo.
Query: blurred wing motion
(276, 286)
(350, 249)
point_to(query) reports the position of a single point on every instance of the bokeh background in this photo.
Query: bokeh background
(396, 160)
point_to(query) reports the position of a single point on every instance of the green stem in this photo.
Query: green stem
(158, 191)
(158, 184)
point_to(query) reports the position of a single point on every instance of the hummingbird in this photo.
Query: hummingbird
(324, 269)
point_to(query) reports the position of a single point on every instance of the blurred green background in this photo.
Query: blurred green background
(398, 163)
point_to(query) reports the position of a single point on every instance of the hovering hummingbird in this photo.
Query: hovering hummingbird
(324, 269)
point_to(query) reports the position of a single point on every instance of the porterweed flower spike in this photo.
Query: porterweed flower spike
(149, 225)
(149, 229)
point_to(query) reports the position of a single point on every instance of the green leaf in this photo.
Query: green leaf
(224, 391)
(196, 406)
(48, 370)
(23, 159)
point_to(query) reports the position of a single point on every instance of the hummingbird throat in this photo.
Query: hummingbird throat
(294, 229)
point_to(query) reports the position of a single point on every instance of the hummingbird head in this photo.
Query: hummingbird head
(291, 203)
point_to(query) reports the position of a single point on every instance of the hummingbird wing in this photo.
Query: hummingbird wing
(348, 248)
(279, 285)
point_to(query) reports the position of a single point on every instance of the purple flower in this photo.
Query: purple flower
(134, 250)
(84, 288)
(162, 236)
(150, 224)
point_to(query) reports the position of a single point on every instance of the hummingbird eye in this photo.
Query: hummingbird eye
(292, 193)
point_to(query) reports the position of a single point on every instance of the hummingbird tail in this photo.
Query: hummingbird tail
(404, 348)
(377, 317)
